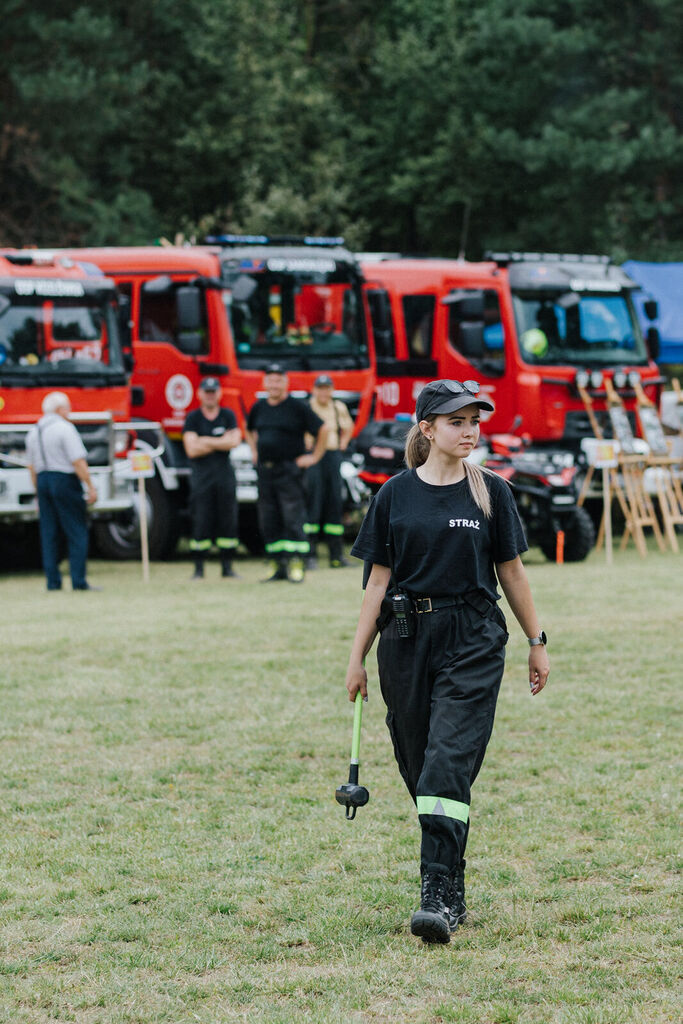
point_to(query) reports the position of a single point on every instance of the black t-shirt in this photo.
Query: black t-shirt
(281, 428)
(442, 544)
(216, 464)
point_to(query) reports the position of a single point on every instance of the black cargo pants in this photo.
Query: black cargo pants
(440, 688)
(282, 509)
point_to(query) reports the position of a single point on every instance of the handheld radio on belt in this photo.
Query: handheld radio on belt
(401, 606)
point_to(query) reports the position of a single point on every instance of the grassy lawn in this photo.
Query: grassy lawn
(171, 849)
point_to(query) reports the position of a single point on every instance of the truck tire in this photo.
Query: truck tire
(120, 539)
(579, 538)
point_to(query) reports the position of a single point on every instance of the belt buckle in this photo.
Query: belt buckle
(424, 600)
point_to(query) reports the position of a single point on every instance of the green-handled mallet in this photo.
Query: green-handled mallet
(350, 795)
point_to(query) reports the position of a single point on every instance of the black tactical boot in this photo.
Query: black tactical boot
(457, 911)
(227, 569)
(337, 560)
(278, 571)
(431, 920)
(198, 573)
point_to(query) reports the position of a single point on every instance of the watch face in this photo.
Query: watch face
(544, 639)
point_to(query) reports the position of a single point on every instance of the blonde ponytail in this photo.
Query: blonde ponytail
(417, 452)
(478, 488)
(417, 447)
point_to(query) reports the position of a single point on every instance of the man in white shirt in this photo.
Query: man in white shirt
(58, 465)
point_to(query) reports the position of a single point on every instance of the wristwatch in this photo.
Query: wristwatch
(534, 641)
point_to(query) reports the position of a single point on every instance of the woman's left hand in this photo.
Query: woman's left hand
(539, 668)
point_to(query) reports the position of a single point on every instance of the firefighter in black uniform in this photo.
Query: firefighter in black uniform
(208, 435)
(276, 429)
(323, 481)
(451, 532)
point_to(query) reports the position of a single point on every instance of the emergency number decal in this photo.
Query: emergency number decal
(179, 391)
(302, 264)
(48, 288)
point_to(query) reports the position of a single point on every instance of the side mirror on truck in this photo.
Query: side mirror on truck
(653, 343)
(651, 309)
(189, 320)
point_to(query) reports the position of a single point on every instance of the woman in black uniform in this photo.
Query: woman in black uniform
(450, 532)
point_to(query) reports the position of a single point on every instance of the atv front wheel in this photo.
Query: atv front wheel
(579, 538)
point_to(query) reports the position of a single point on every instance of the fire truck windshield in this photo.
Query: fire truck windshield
(306, 313)
(59, 339)
(586, 329)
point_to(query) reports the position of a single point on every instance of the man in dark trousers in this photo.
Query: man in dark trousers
(57, 461)
(209, 434)
(324, 482)
(276, 430)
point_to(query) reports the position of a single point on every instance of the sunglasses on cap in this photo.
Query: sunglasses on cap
(455, 387)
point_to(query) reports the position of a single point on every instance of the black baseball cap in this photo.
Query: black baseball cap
(210, 384)
(323, 381)
(444, 396)
(276, 368)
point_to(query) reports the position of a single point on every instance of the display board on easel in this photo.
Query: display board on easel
(602, 454)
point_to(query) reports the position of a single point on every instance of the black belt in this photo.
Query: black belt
(435, 604)
(474, 598)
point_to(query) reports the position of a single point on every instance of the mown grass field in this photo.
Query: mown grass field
(172, 851)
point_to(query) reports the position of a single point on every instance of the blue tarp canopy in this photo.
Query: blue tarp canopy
(663, 282)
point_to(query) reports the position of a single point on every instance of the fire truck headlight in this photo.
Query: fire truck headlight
(582, 378)
(620, 379)
(634, 378)
(596, 379)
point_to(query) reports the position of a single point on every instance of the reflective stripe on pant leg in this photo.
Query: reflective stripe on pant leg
(200, 545)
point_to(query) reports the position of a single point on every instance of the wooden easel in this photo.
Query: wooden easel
(668, 481)
(632, 466)
(610, 477)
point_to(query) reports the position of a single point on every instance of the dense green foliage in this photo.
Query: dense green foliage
(395, 122)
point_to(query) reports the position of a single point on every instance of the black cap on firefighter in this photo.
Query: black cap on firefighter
(323, 381)
(210, 384)
(276, 368)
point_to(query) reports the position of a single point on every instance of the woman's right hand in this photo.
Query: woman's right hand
(357, 679)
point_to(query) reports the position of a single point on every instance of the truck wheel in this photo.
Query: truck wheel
(120, 538)
(579, 538)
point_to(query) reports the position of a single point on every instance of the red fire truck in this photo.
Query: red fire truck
(227, 309)
(522, 324)
(537, 331)
(59, 330)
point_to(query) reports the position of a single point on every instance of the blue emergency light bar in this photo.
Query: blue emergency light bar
(322, 240)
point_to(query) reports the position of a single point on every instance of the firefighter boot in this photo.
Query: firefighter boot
(198, 573)
(457, 910)
(277, 570)
(227, 569)
(336, 546)
(296, 570)
(431, 920)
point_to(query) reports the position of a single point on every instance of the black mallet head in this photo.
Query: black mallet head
(350, 795)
